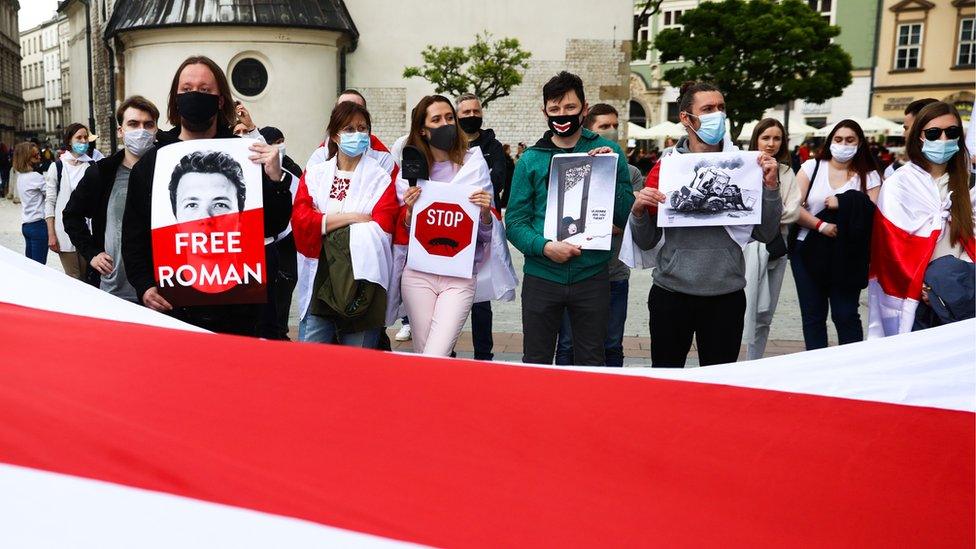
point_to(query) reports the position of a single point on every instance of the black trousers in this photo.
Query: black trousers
(481, 317)
(714, 321)
(543, 305)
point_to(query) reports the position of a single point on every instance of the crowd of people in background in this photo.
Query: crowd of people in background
(837, 213)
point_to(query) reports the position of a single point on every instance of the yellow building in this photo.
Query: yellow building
(926, 48)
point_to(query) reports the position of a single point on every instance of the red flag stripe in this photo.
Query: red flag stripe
(460, 453)
(899, 258)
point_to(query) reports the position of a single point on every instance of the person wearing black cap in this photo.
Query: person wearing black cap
(274, 323)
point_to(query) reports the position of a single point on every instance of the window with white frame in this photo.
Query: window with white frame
(824, 7)
(966, 53)
(908, 52)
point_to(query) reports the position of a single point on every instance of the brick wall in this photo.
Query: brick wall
(602, 64)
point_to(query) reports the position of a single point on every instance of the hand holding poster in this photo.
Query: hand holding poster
(443, 230)
(208, 223)
(709, 189)
(580, 201)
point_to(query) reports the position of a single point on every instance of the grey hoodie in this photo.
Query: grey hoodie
(703, 261)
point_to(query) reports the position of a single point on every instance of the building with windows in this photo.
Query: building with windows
(11, 92)
(925, 49)
(41, 72)
(658, 100)
(51, 51)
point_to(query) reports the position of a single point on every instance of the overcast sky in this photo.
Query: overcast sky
(33, 12)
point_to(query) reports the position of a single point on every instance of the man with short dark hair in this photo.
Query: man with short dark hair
(559, 276)
(911, 111)
(470, 118)
(101, 196)
(604, 121)
(200, 107)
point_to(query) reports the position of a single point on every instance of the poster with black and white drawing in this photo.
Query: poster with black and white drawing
(208, 223)
(580, 201)
(710, 189)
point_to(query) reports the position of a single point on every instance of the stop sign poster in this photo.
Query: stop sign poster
(208, 224)
(443, 230)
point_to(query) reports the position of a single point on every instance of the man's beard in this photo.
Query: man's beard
(196, 127)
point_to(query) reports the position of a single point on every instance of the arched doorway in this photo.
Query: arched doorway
(637, 114)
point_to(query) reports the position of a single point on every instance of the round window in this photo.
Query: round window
(249, 77)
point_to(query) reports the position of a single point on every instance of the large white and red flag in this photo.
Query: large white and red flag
(117, 432)
(910, 219)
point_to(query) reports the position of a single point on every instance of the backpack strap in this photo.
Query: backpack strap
(59, 165)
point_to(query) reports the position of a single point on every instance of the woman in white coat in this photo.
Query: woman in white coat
(766, 263)
(60, 181)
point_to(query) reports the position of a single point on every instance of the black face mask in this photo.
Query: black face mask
(566, 124)
(197, 109)
(470, 124)
(443, 137)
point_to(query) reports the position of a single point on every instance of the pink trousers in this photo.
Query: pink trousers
(438, 307)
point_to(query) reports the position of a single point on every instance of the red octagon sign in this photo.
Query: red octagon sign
(444, 229)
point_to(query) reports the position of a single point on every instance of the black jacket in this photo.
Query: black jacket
(90, 200)
(842, 261)
(137, 223)
(495, 158)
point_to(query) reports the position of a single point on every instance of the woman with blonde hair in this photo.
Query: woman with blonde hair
(30, 189)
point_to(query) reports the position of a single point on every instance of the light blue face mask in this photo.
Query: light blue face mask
(79, 148)
(712, 128)
(353, 144)
(939, 151)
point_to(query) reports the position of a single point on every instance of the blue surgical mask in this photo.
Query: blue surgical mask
(940, 152)
(353, 144)
(712, 128)
(79, 148)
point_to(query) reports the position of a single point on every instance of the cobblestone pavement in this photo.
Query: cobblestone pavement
(786, 334)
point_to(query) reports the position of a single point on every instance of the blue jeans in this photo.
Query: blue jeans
(35, 235)
(814, 297)
(317, 329)
(614, 345)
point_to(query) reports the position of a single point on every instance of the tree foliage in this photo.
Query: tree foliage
(488, 70)
(760, 53)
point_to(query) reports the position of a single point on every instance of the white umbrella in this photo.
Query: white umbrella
(636, 131)
(868, 125)
(890, 127)
(665, 129)
(798, 129)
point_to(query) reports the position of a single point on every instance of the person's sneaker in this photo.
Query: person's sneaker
(403, 334)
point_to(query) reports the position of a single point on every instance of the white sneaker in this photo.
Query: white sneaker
(403, 334)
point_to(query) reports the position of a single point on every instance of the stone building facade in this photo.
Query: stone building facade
(307, 55)
(11, 92)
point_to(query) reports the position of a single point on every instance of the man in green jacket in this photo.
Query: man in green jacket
(560, 277)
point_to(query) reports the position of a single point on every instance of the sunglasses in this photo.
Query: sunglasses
(952, 132)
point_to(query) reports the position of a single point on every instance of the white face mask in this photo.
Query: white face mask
(842, 153)
(139, 141)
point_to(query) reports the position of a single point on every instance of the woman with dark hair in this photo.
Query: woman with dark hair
(345, 208)
(61, 178)
(434, 132)
(843, 164)
(925, 212)
(766, 263)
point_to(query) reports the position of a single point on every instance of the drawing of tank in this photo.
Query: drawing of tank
(710, 191)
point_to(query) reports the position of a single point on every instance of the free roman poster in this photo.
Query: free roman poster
(208, 223)
(707, 189)
(580, 200)
(444, 230)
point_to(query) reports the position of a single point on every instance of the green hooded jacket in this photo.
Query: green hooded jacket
(525, 217)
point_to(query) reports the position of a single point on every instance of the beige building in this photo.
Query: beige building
(925, 49)
(11, 93)
(41, 72)
(287, 61)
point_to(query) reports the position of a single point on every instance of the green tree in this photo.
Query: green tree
(760, 53)
(489, 70)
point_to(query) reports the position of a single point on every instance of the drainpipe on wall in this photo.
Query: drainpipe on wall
(874, 56)
(88, 46)
(342, 69)
(111, 96)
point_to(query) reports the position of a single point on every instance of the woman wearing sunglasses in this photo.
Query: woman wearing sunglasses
(925, 212)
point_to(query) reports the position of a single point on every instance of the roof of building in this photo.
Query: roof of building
(312, 14)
